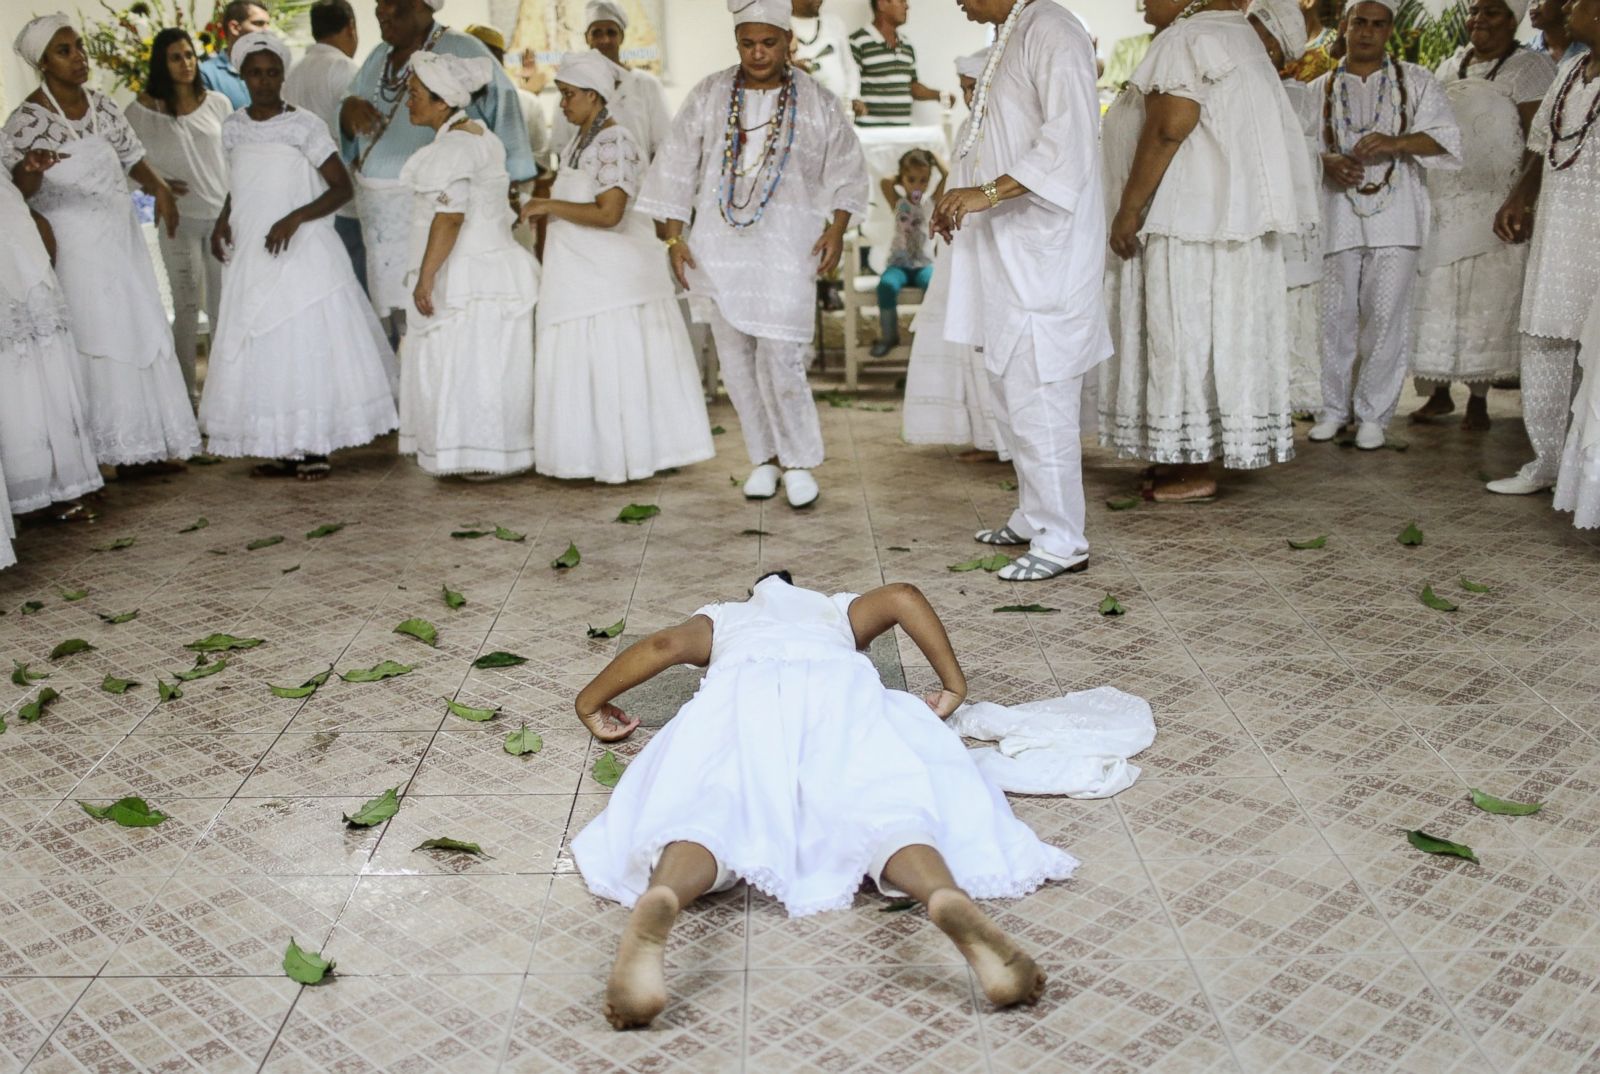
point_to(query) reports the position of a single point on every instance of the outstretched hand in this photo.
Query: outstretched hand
(609, 723)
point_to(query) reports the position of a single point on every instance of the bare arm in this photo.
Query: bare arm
(1379, 146)
(1168, 121)
(919, 92)
(442, 234)
(890, 194)
(606, 210)
(687, 643)
(902, 604)
(1514, 222)
(222, 232)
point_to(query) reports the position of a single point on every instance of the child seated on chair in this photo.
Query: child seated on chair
(910, 258)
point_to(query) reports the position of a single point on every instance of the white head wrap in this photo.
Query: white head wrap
(604, 11)
(971, 65)
(35, 38)
(454, 79)
(767, 12)
(258, 41)
(1519, 9)
(1283, 20)
(590, 71)
(1390, 4)
(434, 4)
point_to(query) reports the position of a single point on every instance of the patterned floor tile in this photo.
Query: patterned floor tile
(30, 1009)
(47, 766)
(1532, 1011)
(336, 763)
(69, 841)
(474, 761)
(1413, 678)
(1090, 830)
(1503, 736)
(578, 932)
(175, 766)
(1215, 817)
(284, 837)
(438, 924)
(517, 833)
(1292, 683)
(1107, 910)
(67, 926)
(1371, 812)
(1191, 744)
(1355, 740)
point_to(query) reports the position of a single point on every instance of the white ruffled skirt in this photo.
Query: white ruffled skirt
(1466, 318)
(1305, 347)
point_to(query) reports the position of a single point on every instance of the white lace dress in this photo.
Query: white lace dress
(800, 772)
(137, 405)
(1564, 256)
(616, 390)
(299, 364)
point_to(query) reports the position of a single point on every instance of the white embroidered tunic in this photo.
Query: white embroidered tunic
(1564, 258)
(1526, 74)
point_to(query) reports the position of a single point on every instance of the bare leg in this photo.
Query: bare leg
(637, 990)
(1008, 976)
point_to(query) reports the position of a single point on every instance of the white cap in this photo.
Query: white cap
(1390, 4)
(766, 12)
(453, 79)
(35, 38)
(604, 11)
(588, 70)
(258, 41)
(1284, 21)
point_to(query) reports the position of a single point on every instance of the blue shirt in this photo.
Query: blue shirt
(218, 73)
(1576, 48)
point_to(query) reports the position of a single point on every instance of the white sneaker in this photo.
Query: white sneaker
(1518, 484)
(800, 487)
(762, 484)
(1369, 436)
(1324, 430)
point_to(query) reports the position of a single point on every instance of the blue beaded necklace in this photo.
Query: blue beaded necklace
(772, 163)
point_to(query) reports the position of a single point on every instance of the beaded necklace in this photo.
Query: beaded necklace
(586, 139)
(774, 158)
(980, 96)
(392, 85)
(1466, 61)
(1401, 123)
(1558, 118)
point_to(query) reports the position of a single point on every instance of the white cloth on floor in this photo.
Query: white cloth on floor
(766, 382)
(801, 773)
(1564, 256)
(1366, 316)
(466, 392)
(1578, 486)
(299, 365)
(1077, 745)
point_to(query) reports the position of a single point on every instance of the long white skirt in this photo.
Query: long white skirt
(1466, 317)
(947, 388)
(1305, 347)
(1201, 369)
(799, 776)
(617, 396)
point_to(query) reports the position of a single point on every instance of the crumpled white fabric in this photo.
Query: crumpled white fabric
(1077, 745)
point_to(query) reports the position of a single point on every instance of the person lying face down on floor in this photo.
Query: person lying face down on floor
(794, 769)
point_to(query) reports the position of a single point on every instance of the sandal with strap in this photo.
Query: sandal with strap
(1005, 535)
(1036, 567)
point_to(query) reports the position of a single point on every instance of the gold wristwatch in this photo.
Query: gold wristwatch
(992, 192)
(670, 243)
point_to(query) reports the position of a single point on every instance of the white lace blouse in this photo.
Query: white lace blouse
(295, 128)
(613, 161)
(33, 126)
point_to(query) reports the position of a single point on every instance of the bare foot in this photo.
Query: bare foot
(1183, 490)
(1438, 403)
(637, 991)
(1008, 976)
(1476, 419)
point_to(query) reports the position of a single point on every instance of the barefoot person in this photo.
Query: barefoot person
(759, 156)
(794, 769)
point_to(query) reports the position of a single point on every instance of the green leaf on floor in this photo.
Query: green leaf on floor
(202, 669)
(1302, 415)
(452, 599)
(1396, 445)
(1309, 542)
(128, 812)
(498, 659)
(635, 513)
(607, 769)
(70, 595)
(305, 967)
(734, 481)
(1036, 609)
(467, 712)
(884, 408)
(717, 430)
(120, 617)
(113, 685)
(168, 693)
(263, 542)
(1411, 535)
(752, 533)
(198, 524)
(608, 632)
(219, 643)
(503, 534)
(305, 689)
(1432, 844)
(1484, 477)
(290, 570)
(835, 400)
(899, 906)
(469, 535)
(1124, 503)
(217, 551)
(983, 563)
(523, 741)
(1434, 601)
(375, 810)
(420, 629)
(21, 676)
(34, 709)
(31, 606)
(1008, 485)
(203, 460)
(327, 529)
(568, 559)
(1473, 587)
(119, 544)
(897, 548)
(1502, 806)
(1112, 606)
(70, 646)
(387, 669)
(444, 842)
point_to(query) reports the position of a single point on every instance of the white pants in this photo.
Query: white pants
(1041, 423)
(1366, 318)
(1547, 381)
(196, 281)
(766, 381)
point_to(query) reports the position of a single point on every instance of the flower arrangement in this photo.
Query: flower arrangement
(119, 43)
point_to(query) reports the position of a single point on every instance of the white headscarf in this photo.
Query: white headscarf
(604, 11)
(434, 4)
(767, 12)
(971, 65)
(1519, 9)
(1390, 4)
(1283, 20)
(453, 79)
(258, 41)
(35, 38)
(590, 71)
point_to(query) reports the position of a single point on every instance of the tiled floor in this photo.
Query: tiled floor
(1250, 905)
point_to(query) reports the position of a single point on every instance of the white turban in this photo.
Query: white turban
(1390, 4)
(590, 71)
(1519, 9)
(604, 11)
(767, 12)
(453, 79)
(1283, 20)
(434, 4)
(258, 41)
(35, 38)
(971, 66)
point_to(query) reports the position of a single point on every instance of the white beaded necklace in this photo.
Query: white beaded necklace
(980, 97)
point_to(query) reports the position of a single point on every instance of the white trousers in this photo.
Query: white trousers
(1366, 321)
(1042, 425)
(195, 278)
(766, 380)
(1547, 382)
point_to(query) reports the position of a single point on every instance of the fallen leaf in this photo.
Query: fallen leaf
(203, 460)
(327, 529)
(1411, 535)
(635, 513)
(717, 430)
(120, 617)
(21, 676)
(128, 812)
(498, 659)
(1434, 601)
(305, 967)
(1309, 542)
(1037, 609)
(202, 669)
(607, 769)
(263, 542)
(983, 563)
(503, 534)
(113, 685)
(70, 646)
(34, 709)
(1473, 587)
(388, 669)
(1008, 485)
(376, 810)
(1124, 503)
(218, 643)
(1431, 844)
(837, 401)
(734, 481)
(168, 693)
(290, 570)
(452, 599)
(899, 906)
(897, 548)
(1484, 477)
(72, 594)
(470, 535)
(198, 524)
(752, 533)
(217, 551)
(1112, 606)
(467, 712)
(119, 544)
(1502, 806)
(31, 606)
(305, 689)
(568, 559)
(444, 842)
(523, 741)
(608, 632)
(420, 629)
(1396, 445)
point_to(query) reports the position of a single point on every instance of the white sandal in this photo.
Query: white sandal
(1038, 566)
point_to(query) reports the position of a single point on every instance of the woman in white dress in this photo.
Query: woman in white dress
(616, 391)
(44, 439)
(299, 366)
(137, 408)
(466, 384)
(179, 122)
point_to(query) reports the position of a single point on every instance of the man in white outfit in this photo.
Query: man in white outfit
(640, 101)
(1026, 275)
(822, 50)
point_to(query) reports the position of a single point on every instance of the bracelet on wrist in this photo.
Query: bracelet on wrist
(669, 243)
(991, 191)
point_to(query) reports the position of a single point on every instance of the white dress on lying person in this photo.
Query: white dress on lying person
(616, 390)
(44, 436)
(802, 774)
(299, 365)
(136, 403)
(466, 381)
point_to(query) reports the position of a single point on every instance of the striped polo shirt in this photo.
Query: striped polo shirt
(886, 77)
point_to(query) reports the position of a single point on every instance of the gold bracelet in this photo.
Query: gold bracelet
(673, 241)
(992, 192)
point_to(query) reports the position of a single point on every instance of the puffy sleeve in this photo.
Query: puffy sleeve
(711, 612)
(1534, 71)
(613, 162)
(844, 165)
(668, 190)
(118, 131)
(312, 138)
(1186, 61)
(1055, 167)
(1433, 116)
(442, 172)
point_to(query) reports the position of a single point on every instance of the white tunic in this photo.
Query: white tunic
(762, 277)
(188, 148)
(1564, 257)
(1031, 267)
(639, 103)
(1525, 74)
